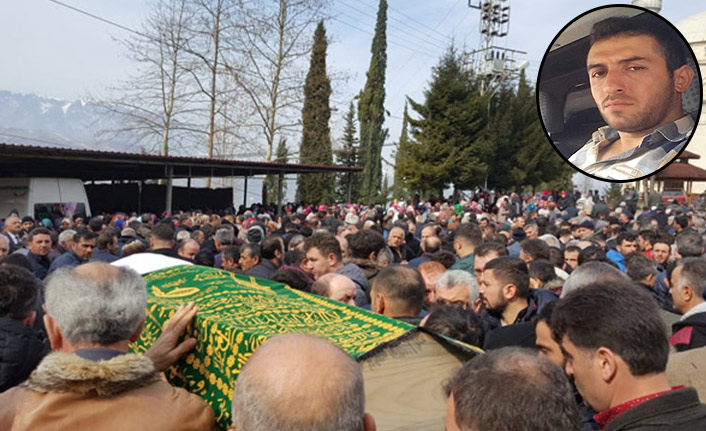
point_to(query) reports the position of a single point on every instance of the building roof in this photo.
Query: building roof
(688, 155)
(92, 165)
(694, 28)
(681, 172)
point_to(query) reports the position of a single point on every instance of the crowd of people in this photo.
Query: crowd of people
(580, 304)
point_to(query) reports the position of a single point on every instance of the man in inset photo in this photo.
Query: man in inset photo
(637, 73)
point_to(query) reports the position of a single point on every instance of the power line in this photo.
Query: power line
(393, 26)
(107, 21)
(408, 17)
(389, 41)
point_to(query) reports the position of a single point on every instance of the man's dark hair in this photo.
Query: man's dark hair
(252, 248)
(535, 249)
(664, 239)
(18, 291)
(522, 383)
(638, 267)
(231, 252)
(457, 323)
(96, 224)
(163, 231)
(545, 314)
(682, 221)
(293, 278)
(294, 257)
(403, 286)
(271, 245)
(648, 235)
(365, 242)
(104, 240)
(511, 270)
(489, 247)
(496, 237)
(690, 244)
(37, 231)
(572, 249)
(592, 253)
(444, 257)
(541, 269)
(619, 316)
(205, 257)
(469, 233)
(84, 234)
(670, 44)
(325, 242)
(556, 257)
(625, 236)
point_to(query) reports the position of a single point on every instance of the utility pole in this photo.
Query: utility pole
(493, 63)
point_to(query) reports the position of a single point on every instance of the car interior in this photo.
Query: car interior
(568, 112)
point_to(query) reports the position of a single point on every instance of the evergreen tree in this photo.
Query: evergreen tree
(446, 149)
(399, 187)
(272, 180)
(346, 188)
(316, 135)
(371, 112)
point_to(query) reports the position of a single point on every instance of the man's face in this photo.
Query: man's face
(630, 83)
(623, 218)
(679, 303)
(491, 289)
(27, 226)
(571, 258)
(480, 261)
(40, 244)
(532, 232)
(246, 260)
(13, 225)
(428, 232)
(546, 345)
(396, 238)
(4, 247)
(458, 296)
(229, 264)
(643, 243)
(342, 290)
(585, 232)
(84, 248)
(661, 252)
(626, 248)
(317, 263)
(190, 250)
(587, 377)
(430, 278)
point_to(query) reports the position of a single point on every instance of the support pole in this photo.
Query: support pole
(280, 180)
(170, 174)
(245, 192)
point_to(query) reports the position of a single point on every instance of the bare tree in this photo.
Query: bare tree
(274, 44)
(154, 106)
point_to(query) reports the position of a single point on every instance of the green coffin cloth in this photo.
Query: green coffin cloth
(236, 315)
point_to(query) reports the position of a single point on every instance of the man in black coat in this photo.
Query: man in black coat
(688, 285)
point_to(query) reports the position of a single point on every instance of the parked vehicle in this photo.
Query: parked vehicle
(41, 198)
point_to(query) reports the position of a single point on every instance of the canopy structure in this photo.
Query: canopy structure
(93, 165)
(681, 174)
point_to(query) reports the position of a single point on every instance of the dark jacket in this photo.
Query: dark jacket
(362, 286)
(264, 269)
(677, 410)
(21, 349)
(689, 333)
(67, 259)
(40, 265)
(103, 256)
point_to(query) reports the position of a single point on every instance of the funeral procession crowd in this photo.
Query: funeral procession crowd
(587, 310)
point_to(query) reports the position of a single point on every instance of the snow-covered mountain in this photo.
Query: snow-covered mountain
(29, 119)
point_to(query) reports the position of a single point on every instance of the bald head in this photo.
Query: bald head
(335, 286)
(276, 389)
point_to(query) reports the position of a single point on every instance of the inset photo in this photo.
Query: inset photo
(619, 92)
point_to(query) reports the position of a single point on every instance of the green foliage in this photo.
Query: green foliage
(447, 146)
(347, 182)
(371, 112)
(316, 135)
(399, 188)
(272, 181)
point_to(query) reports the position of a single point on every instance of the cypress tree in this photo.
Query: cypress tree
(316, 134)
(371, 112)
(346, 189)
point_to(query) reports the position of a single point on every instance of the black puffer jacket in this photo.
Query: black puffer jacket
(21, 349)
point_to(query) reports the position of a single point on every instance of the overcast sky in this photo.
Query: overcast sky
(50, 50)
